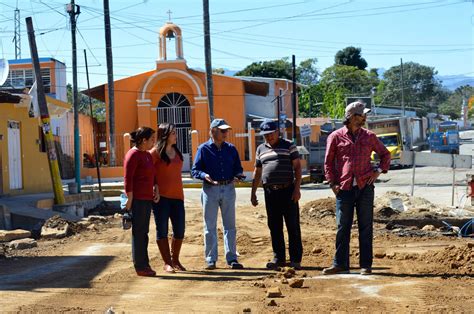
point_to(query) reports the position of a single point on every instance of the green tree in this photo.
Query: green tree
(218, 71)
(422, 90)
(353, 80)
(306, 71)
(310, 99)
(328, 97)
(98, 107)
(275, 68)
(452, 106)
(334, 101)
(350, 56)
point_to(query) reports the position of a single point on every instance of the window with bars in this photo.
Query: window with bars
(25, 78)
(29, 80)
(17, 78)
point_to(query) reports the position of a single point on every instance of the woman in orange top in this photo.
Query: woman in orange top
(168, 162)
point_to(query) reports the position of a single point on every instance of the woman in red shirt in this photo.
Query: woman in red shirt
(141, 190)
(168, 162)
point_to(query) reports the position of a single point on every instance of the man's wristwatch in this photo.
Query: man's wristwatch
(379, 170)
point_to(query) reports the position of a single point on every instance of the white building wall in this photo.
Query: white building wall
(60, 73)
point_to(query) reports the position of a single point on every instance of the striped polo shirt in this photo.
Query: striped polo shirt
(277, 162)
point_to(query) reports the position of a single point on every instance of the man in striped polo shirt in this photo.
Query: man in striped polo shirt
(278, 166)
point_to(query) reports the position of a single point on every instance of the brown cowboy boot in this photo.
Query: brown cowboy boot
(175, 249)
(165, 254)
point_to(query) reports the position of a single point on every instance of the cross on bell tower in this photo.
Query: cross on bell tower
(169, 15)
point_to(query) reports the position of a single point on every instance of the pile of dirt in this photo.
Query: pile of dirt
(3, 251)
(459, 259)
(105, 209)
(319, 209)
(450, 260)
(94, 223)
(56, 222)
(383, 207)
(413, 206)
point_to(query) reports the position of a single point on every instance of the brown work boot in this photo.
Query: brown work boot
(175, 249)
(165, 254)
(334, 270)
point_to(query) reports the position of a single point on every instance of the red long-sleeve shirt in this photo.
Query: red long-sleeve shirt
(348, 159)
(139, 174)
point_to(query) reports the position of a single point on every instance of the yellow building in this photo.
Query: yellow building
(23, 160)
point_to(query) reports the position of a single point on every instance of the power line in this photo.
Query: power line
(47, 5)
(85, 42)
(283, 18)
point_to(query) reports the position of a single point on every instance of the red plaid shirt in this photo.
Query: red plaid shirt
(347, 158)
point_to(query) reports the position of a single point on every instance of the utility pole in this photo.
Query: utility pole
(110, 82)
(94, 131)
(17, 38)
(45, 120)
(464, 111)
(293, 99)
(71, 9)
(207, 55)
(403, 87)
(279, 114)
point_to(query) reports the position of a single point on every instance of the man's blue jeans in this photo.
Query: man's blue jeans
(363, 201)
(213, 197)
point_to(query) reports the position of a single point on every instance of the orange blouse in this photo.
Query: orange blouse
(168, 176)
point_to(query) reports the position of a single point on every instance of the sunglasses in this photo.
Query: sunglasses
(224, 130)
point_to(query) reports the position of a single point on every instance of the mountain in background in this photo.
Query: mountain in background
(452, 82)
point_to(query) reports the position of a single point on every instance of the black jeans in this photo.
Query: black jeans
(141, 210)
(280, 206)
(363, 201)
(169, 209)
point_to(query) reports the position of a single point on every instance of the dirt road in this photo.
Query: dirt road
(92, 272)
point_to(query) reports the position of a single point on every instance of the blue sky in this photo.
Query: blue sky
(431, 32)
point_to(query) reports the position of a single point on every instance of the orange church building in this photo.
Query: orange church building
(175, 93)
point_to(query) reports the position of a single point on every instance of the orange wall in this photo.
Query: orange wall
(229, 101)
(287, 98)
(86, 130)
(126, 95)
(164, 86)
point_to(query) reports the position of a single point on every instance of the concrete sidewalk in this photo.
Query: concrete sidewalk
(115, 186)
(21, 212)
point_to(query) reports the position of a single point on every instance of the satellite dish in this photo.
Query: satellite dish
(4, 67)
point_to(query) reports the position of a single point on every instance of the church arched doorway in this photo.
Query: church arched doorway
(175, 108)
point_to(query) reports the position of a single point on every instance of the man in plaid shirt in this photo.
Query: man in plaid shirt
(351, 176)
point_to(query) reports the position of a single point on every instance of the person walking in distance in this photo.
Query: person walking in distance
(351, 176)
(141, 190)
(277, 164)
(217, 163)
(168, 162)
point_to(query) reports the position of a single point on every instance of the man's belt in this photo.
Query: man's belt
(223, 182)
(277, 186)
